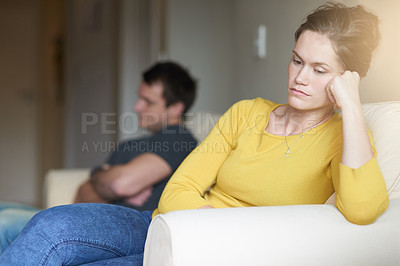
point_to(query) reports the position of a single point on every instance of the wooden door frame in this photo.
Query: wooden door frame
(51, 88)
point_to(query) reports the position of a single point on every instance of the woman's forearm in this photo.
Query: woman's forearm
(357, 148)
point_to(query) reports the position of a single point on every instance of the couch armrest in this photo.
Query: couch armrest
(278, 235)
(60, 185)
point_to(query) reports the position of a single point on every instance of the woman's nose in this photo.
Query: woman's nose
(302, 77)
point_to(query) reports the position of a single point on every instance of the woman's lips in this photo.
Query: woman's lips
(298, 92)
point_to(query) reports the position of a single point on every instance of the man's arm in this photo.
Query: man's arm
(127, 180)
(86, 193)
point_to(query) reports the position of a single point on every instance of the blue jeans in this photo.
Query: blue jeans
(86, 233)
(13, 218)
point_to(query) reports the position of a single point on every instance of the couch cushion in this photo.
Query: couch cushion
(383, 120)
(60, 185)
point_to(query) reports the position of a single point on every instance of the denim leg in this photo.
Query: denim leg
(13, 205)
(79, 234)
(132, 260)
(13, 219)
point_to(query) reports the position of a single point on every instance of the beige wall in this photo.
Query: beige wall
(199, 35)
(91, 83)
(382, 82)
(134, 56)
(19, 86)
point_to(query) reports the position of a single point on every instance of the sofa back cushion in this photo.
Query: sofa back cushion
(383, 120)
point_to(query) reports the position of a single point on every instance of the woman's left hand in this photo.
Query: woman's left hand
(344, 90)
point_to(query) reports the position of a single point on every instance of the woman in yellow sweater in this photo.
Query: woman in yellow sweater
(259, 153)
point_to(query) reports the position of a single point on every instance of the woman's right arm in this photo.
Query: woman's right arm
(199, 170)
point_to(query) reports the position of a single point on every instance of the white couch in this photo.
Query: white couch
(284, 235)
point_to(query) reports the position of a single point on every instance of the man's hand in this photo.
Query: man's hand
(86, 193)
(140, 198)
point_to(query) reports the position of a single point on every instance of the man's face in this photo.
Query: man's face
(151, 106)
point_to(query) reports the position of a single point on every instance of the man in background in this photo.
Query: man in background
(136, 173)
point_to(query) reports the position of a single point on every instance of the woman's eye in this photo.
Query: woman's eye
(320, 71)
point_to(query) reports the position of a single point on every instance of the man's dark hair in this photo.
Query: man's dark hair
(178, 85)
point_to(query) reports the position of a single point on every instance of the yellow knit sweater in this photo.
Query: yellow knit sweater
(243, 165)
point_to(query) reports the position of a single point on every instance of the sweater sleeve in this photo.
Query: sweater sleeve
(361, 194)
(199, 170)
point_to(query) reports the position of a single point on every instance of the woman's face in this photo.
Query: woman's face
(313, 65)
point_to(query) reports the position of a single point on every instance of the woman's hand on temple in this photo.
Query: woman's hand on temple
(344, 90)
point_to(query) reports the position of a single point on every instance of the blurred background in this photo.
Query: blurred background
(69, 70)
